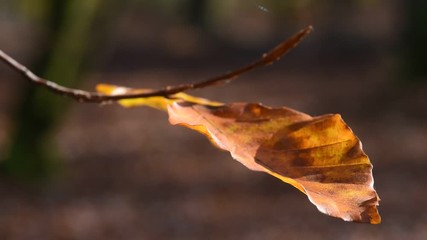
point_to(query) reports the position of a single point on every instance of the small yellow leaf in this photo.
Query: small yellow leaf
(160, 103)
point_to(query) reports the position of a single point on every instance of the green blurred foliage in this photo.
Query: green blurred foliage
(414, 42)
(32, 154)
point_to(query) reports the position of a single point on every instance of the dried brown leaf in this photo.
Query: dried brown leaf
(320, 156)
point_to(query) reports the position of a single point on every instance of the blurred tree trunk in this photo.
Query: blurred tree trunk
(414, 41)
(32, 154)
(197, 12)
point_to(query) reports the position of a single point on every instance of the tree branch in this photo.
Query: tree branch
(84, 96)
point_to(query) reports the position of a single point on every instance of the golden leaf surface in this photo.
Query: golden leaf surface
(320, 156)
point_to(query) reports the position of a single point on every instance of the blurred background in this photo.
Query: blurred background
(84, 171)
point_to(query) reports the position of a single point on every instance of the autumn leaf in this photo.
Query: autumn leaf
(320, 156)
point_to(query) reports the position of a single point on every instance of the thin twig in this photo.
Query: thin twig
(84, 96)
